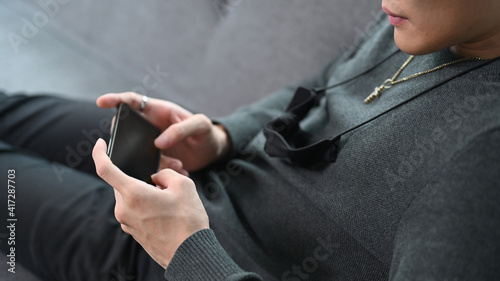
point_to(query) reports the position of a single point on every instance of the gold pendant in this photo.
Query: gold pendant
(377, 90)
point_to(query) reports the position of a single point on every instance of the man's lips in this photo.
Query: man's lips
(394, 19)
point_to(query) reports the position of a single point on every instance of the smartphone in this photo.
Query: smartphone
(131, 146)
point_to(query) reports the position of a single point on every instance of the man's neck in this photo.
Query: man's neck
(487, 48)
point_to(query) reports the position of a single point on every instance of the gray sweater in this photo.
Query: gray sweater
(413, 195)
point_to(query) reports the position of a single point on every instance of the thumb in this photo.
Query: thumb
(107, 170)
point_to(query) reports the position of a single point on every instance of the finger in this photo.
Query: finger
(168, 178)
(112, 125)
(197, 124)
(111, 100)
(172, 163)
(183, 172)
(107, 170)
(167, 162)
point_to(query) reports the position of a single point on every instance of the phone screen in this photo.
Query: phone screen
(131, 146)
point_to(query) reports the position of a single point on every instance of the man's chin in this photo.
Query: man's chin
(412, 45)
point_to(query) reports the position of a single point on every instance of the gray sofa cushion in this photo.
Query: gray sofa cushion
(214, 62)
(265, 45)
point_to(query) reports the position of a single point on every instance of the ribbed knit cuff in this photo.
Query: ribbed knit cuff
(241, 130)
(246, 122)
(201, 257)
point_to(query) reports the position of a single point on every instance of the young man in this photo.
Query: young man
(398, 182)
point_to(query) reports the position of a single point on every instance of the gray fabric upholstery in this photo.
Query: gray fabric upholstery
(214, 62)
(212, 55)
(265, 45)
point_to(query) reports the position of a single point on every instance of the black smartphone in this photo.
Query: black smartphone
(131, 146)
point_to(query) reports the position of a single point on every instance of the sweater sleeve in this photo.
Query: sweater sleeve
(451, 230)
(201, 257)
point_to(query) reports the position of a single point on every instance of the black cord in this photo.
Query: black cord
(402, 103)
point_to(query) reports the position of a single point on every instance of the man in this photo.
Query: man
(405, 187)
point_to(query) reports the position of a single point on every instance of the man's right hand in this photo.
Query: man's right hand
(188, 141)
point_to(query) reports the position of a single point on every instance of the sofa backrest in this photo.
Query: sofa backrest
(212, 55)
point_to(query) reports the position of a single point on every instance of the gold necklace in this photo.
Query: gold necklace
(390, 82)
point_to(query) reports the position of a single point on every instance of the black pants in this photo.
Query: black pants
(61, 214)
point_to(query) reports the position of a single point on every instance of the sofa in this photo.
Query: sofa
(210, 56)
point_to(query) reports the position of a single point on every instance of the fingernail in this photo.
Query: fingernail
(98, 142)
(161, 141)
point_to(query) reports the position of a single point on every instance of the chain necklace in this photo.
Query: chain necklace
(390, 82)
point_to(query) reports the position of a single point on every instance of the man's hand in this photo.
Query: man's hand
(189, 141)
(159, 218)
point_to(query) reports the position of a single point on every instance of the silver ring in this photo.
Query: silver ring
(143, 103)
